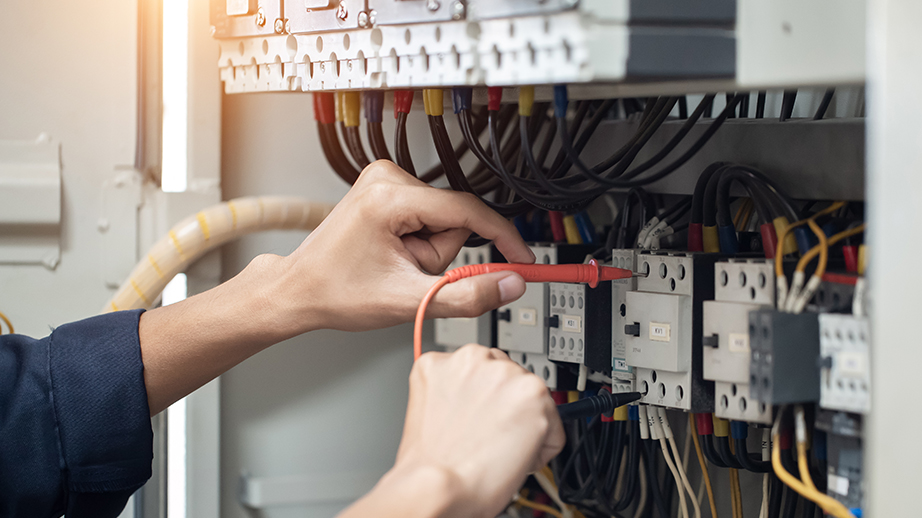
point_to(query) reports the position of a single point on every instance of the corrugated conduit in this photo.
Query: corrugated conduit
(199, 234)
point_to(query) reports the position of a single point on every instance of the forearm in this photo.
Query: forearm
(187, 344)
(414, 492)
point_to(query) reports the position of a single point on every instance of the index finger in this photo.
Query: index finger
(448, 209)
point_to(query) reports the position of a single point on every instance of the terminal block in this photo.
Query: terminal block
(845, 368)
(663, 329)
(522, 326)
(740, 286)
(783, 361)
(241, 18)
(580, 325)
(620, 369)
(845, 463)
(452, 333)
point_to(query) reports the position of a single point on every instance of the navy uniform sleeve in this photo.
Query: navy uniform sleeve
(75, 433)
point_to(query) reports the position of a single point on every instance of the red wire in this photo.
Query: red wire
(421, 316)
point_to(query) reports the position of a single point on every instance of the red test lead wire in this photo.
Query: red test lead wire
(591, 274)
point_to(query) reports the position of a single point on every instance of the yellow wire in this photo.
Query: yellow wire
(8, 324)
(572, 230)
(735, 486)
(740, 212)
(704, 467)
(733, 506)
(831, 241)
(828, 504)
(779, 249)
(823, 248)
(524, 502)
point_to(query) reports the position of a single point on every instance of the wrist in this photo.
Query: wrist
(423, 491)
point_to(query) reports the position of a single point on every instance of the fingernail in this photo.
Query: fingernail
(533, 256)
(511, 288)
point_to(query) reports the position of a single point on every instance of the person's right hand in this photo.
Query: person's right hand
(482, 418)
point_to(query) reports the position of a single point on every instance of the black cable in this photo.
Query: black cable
(708, 448)
(775, 492)
(333, 151)
(652, 479)
(375, 132)
(787, 104)
(760, 105)
(722, 445)
(631, 471)
(730, 96)
(744, 106)
(745, 460)
(354, 143)
(824, 104)
(404, 160)
(683, 107)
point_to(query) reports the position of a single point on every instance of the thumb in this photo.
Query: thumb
(474, 296)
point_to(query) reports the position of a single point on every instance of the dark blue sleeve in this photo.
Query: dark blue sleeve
(75, 433)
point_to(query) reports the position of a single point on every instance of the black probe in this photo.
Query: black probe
(604, 403)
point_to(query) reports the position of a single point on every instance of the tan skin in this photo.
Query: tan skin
(476, 422)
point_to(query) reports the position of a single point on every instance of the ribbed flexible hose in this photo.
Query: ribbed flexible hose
(199, 234)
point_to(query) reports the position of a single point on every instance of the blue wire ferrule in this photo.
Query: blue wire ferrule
(632, 413)
(561, 101)
(586, 229)
(805, 239)
(726, 236)
(819, 444)
(522, 226)
(856, 511)
(462, 98)
(374, 106)
(739, 430)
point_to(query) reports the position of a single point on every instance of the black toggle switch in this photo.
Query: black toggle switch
(504, 315)
(553, 321)
(710, 341)
(632, 329)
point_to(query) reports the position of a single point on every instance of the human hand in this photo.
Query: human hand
(483, 419)
(372, 260)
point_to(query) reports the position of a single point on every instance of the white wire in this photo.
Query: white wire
(691, 494)
(675, 474)
(642, 473)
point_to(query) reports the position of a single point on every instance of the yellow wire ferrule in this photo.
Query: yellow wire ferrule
(572, 231)
(862, 259)
(789, 243)
(352, 108)
(526, 100)
(572, 396)
(721, 427)
(710, 240)
(340, 101)
(434, 101)
(620, 413)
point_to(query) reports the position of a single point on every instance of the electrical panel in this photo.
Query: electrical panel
(452, 333)
(663, 329)
(740, 286)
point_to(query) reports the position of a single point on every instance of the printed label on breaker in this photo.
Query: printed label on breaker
(838, 484)
(620, 365)
(528, 317)
(238, 7)
(659, 332)
(851, 364)
(739, 343)
(571, 324)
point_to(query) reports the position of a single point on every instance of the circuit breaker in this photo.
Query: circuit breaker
(845, 375)
(663, 329)
(844, 456)
(620, 369)
(452, 333)
(522, 326)
(580, 325)
(740, 286)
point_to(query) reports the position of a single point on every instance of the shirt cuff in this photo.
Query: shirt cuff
(100, 403)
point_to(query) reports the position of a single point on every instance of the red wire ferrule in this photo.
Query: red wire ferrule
(557, 228)
(769, 240)
(495, 96)
(403, 101)
(695, 237)
(785, 440)
(325, 107)
(851, 258)
(559, 397)
(704, 424)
